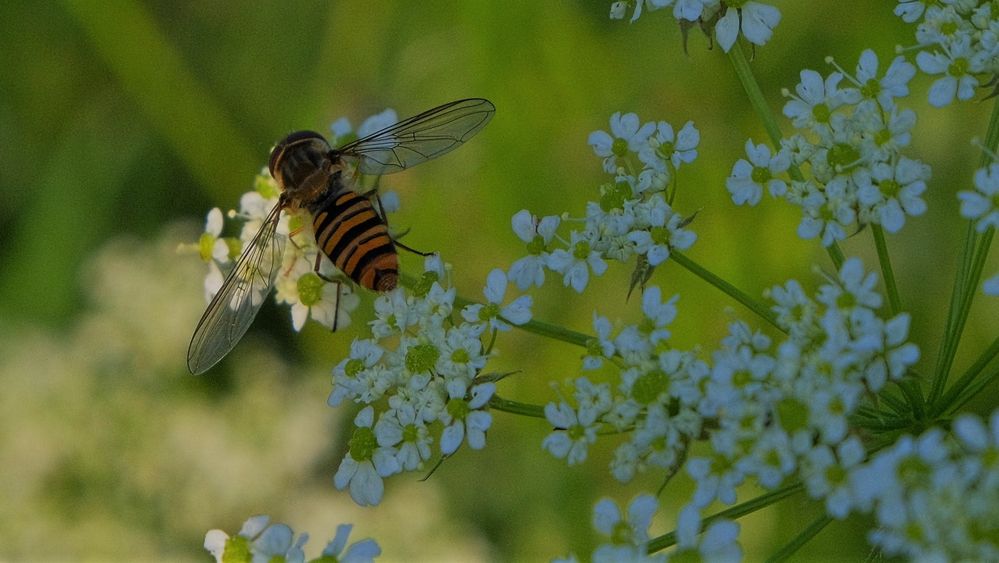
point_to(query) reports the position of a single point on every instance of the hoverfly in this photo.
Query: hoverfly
(314, 176)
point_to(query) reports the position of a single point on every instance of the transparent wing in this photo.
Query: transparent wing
(421, 137)
(244, 290)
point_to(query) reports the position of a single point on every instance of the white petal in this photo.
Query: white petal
(519, 311)
(727, 29)
(606, 515)
(758, 21)
(495, 286)
(523, 225)
(215, 543)
(452, 437)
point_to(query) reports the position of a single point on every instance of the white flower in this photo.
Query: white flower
(211, 246)
(310, 295)
(617, 10)
(748, 177)
(600, 347)
(664, 147)
(627, 134)
(538, 234)
(574, 432)
(277, 542)
(517, 312)
(363, 474)
(816, 99)
(466, 417)
(658, 312)
(253, 209)
(716, 476)
(363, 551)
(911, 10)
(658, 230)
(892, 192)
(402, 429)
(959, 63)
(461, 352)
(213, 281)
(629, 537)
(718, 543)
(262, 541)
(771, 459)
(352, 376)
(854, 280)
(216, 540)
(982, 205)
(389, 200)
(899, 354)
(652, 4)
(755, 19)
(575, 264)
(826, 475)
(340, 128)
(392, 314)
(974, 435)
(689, 10)
(827, 213)
(894, 84)
(377, 122)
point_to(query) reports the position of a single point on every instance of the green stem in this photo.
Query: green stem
(965, 282)
(556, 332)
(836, 255)
(892, 402)
(915, 399)
(887, 273)
(515, 407)
(967, 386)
(727, 288)
(756, 98)
(804, 537)
(737, 511)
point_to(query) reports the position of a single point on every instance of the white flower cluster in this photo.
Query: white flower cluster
(429, 386)
(633, 216)
(959, 42)
(755, 20)
(259, 540)
(935, 497)
(846, 166)
(629, 535)
(767, 411)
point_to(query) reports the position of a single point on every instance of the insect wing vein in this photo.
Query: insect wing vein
(243, 292)
(420, 138)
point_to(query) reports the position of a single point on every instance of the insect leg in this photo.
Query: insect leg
(381, 211)
(336, 309)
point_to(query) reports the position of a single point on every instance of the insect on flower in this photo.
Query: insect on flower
(314, 176)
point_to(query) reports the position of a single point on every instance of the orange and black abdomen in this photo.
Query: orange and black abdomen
(355, 238)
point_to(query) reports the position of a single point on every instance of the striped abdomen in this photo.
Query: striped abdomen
(355, 238)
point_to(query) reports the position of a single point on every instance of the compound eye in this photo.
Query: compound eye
(296, 138)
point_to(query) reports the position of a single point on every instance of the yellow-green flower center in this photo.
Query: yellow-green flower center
(422, 357)
(310, 289)
(363, 443)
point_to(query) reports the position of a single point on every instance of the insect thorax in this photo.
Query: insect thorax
(300, 163)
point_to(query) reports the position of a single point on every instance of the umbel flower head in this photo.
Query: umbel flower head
(751, 19)
(259, 540)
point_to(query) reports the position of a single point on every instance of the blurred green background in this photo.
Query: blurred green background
(122, 123)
